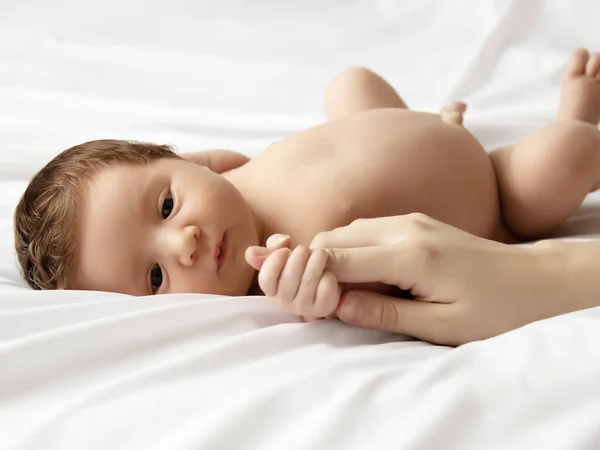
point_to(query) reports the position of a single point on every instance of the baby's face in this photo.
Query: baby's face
(165, 227)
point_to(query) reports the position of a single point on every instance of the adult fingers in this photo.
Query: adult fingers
(360, 233)
(376, 231)
(372, 310)
(400, 264)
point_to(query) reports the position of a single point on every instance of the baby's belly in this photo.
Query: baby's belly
(375, 164)
(416, 163)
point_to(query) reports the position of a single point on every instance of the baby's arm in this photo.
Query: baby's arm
(296, 280)
(218, 161)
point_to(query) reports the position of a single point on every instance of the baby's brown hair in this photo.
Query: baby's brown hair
(46, 217)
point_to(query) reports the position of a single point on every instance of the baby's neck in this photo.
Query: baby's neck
(238, 177)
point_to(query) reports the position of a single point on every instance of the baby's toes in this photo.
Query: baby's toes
(577, 63)
(453, 112)
(592, 68)
(457, 106)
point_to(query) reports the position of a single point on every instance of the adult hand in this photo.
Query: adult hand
(465, 288)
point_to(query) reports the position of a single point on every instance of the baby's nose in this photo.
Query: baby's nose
(188, 244)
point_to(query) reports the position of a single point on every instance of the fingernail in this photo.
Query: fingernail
(350, 309)
(277, 239)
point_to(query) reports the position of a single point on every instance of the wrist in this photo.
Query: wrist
(571, 270)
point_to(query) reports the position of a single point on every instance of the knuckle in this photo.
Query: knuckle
(284, 299)
(316, 269)
(266, 283)
(319, 254)
(301, 251)
(298, 308)
(284, 252)
(310, 278)
(385, 315)
(423, 251)
(320, 240)
(419, 221)
(304, 306)
(339, 255)
(315, 266)
(327, 296)
(279, 256)
(378, 314)
(408, 226)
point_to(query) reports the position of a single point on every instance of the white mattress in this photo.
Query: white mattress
(82, 370)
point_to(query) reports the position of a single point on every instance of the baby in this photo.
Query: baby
(138, 219)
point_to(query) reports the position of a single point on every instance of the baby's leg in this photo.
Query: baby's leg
(545, 177)
(358, 89)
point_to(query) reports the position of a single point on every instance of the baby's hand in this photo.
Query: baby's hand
(296, 280)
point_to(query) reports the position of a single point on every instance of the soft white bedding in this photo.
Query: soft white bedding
(82, 370)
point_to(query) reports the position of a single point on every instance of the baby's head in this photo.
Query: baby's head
(134, 218)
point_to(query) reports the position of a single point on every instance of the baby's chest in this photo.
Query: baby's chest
(303, 206)
(327, 178)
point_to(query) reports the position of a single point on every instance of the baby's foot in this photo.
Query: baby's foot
(580, 97)
(453, 113)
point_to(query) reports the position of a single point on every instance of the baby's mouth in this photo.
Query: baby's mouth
(221, 252)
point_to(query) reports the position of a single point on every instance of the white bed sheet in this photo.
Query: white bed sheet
(82, 370)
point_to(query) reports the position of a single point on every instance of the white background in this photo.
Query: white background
(104, 371)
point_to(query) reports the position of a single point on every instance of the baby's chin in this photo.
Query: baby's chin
(251, 286)
(243, 282)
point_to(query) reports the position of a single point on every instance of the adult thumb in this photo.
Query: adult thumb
(372, 310)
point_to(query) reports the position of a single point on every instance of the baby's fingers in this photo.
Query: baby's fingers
(291, 278)
(296, 281)
(268, 277)
(309, 319)
(276, 241)
(256, 256)
(328, 295)
(307, 292)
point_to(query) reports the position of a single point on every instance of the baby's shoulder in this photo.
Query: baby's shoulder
(375, 139)
(300, 150)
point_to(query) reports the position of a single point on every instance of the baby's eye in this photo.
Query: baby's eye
(156, 278)
(167, 206)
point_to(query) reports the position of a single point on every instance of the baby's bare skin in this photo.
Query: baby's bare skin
(373, 158)
(371, 164)
(530, 189)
